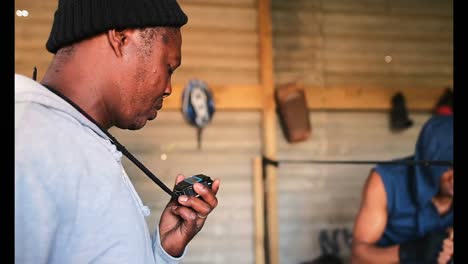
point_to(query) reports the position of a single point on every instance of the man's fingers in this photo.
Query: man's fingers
(179, 178)
(207, 194)
(203, 205)
(215, 186)
(199, 206)
(193, 221)
(187, 214)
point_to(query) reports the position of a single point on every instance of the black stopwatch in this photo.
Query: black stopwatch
(185, 187)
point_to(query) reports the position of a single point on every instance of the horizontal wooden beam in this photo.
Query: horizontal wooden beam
(226, 97)
(249, 97)
(349, 98)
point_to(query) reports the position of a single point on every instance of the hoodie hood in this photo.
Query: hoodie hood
(28, 90)
(435, 142)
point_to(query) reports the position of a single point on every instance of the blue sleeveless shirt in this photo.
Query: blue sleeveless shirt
(410, 189)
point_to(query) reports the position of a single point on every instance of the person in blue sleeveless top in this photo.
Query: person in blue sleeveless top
(406, 213)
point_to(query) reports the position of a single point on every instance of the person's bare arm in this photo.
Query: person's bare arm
(370, 224)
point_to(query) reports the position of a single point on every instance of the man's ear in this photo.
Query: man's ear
(118, 39)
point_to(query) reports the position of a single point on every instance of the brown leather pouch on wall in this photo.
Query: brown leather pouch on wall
(293, 112)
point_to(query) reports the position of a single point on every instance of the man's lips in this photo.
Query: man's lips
(159, 105)
(155, 110)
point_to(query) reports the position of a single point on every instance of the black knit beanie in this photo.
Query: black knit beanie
(75, 20)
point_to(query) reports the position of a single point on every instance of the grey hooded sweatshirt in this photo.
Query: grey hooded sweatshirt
(74, 203)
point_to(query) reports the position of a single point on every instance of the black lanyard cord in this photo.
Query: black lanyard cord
(119, 146)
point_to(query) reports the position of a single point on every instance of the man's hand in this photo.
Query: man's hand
(447, 248)
(181, 220)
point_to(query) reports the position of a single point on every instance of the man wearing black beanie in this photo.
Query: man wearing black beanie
(74, 202)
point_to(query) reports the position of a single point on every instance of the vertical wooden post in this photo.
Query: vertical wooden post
(259, 208)
(269, 124)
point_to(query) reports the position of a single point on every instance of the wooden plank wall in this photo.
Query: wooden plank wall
(369, 47)
(31, 35)
(349, 54)
(220, 42)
